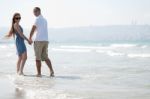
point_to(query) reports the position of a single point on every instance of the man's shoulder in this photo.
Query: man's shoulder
(41, 18)
(36, 20)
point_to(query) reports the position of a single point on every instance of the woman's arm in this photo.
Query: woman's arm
(16, 27)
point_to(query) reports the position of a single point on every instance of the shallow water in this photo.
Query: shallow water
(116, 71)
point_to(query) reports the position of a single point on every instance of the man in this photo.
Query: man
(41, 41)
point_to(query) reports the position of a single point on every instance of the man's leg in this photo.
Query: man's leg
(48, 62)
(38, 51)
(38, 66)
(46, 59)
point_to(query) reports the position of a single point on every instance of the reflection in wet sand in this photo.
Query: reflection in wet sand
(20, 93)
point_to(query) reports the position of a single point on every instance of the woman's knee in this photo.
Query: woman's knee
(20, 58)
(24, 56)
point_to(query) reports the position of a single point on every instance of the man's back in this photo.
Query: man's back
(42, 29)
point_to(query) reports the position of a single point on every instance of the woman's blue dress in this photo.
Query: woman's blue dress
(20, 45)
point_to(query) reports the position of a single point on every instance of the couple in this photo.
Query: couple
(40, 43)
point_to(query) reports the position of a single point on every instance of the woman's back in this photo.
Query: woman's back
(17, 34)
(21, 48)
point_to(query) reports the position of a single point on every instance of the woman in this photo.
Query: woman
(16, 30)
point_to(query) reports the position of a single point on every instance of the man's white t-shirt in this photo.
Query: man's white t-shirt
(41, 28)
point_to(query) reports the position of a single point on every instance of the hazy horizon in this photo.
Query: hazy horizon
(126, 33)
(90, 26)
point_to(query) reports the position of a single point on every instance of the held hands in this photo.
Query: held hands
(30, 41)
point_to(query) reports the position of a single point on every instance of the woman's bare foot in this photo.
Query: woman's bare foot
(38, 75)
(21, 73)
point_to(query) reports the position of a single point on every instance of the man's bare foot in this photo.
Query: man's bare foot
(52, 74)
(38, 75)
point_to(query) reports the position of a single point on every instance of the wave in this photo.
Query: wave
(109, 46)
(110, 53)
(71, 50)
(5, 46)
(33, 87)
(83, 47)
(123, 45)
(144, 55)
(47, 94)
(144, 46)
(130, 55)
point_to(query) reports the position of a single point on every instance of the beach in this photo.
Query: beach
(99, 49)
(82, 71)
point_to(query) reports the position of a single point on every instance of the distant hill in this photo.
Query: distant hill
(101, 34)
(96, 34)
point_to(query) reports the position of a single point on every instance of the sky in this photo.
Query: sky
(77, 13)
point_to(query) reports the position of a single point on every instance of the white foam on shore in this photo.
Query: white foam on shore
(100, 49)
(39, 88)
(99, 46)
(144, 46)
(49, 94)
(111, 53)
(5, 46)
(123, 45)
(70, 50)
(82, 47)
(144, 55)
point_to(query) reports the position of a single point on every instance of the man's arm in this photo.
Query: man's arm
(32, 32)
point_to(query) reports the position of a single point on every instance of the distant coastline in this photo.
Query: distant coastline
(95, 34)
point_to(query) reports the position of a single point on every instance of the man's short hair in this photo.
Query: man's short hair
(37, 9)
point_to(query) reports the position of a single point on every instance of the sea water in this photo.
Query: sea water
(82, 71)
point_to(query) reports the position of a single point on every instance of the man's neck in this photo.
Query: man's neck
(39, 15)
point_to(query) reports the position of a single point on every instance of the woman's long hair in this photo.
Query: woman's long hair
(12, 31)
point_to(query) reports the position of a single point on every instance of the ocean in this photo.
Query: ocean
(82, 71)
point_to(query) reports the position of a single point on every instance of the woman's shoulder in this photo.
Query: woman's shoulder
(16, 25)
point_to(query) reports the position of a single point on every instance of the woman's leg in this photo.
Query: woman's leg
(23, 61)
(19, 63)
